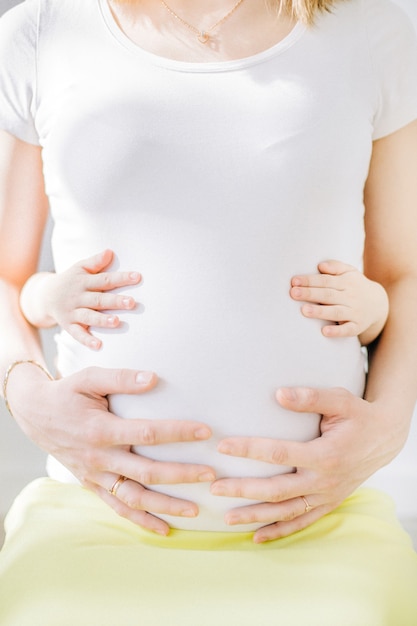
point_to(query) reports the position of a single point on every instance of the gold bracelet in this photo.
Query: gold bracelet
(10, 369)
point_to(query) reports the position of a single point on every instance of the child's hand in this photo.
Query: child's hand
(75, 298)
(342, 294)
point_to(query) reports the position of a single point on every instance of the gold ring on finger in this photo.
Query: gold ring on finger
(113, 489)
(307, 503)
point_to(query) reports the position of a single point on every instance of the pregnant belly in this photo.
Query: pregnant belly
(220, 364)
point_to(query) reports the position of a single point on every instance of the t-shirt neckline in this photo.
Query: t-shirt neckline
(186, 66)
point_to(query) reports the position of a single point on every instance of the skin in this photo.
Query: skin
(358, 435)
(150, 26)
(74, 298)
(342, 294)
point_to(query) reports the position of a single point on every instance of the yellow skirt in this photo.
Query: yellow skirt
(69, 560)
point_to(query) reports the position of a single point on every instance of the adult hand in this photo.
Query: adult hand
(356, 440)
(71, 421)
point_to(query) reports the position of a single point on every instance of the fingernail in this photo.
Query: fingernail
(127, 302)
(224, 447)
(206, 477)
(296, 282)
(143, 378)
(288, 394)
(217, 489)
(296, 292)
(134, 276)
(189, 513)
(111, 320)
(161, 531)
(202, 433)
(95, 344)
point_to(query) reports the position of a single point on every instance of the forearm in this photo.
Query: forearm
(19, 340)
(392, 379)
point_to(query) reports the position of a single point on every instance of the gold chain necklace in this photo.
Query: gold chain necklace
(203, 36)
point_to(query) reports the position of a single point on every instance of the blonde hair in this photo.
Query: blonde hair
(302, 10)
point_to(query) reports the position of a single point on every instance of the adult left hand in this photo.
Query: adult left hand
(357, 438)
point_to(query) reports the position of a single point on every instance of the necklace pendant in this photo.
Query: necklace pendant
(203, 37)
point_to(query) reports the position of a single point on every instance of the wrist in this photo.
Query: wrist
(10, 379)
(380, 302)
(391, 419)
(34, 299)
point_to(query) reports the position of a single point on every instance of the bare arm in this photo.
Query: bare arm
(23, 213)
(391, 259)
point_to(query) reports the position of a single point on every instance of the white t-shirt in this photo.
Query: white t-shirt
(218, 182)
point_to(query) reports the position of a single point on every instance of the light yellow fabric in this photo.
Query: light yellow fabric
(69, 560)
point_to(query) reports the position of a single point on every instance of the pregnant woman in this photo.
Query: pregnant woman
(218, 149)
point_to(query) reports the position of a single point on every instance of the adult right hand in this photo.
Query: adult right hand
(70, 419)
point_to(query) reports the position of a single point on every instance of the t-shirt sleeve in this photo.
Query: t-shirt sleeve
(18, 43)
(393, 52)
